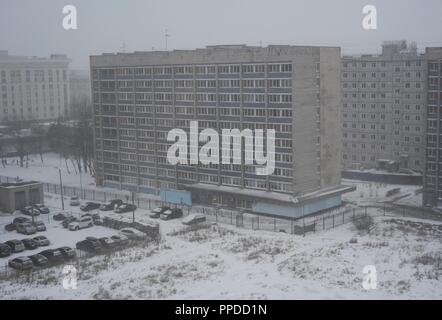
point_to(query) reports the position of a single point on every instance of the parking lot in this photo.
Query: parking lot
(55, 232)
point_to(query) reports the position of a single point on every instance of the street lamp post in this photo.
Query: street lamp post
(61, 189)
(81, 187)
(133, 207)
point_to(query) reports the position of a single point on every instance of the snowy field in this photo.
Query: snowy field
(224, 262)
(47, 171)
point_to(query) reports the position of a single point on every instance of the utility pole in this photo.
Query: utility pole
(133, 207)
(61, 189)
(81, 187)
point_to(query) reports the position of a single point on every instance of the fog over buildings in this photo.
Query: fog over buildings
(34, 28)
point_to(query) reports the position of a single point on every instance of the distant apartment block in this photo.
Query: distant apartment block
(33, 88)
(295, 90)
(433, 167)
(383, 108)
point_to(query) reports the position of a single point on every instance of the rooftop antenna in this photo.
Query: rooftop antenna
(123, 47)
(166, 35)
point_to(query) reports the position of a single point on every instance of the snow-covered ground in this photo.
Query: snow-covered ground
(47, 171)
(369, 192)
(225, 262)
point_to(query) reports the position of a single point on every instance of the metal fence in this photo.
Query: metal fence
(300, 226)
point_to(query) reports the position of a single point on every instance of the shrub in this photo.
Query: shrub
(363, 223)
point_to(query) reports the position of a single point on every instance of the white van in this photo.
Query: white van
(84, 222)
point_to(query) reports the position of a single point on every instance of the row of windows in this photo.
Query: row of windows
(206, 178)
(382, 137)
(374, 85)
(184, 123)
(168, 70)
(381, 116)
(373, 96)
(348, 147)
(383, 64)
(201, 97)
(200, 110)
(17, 76)
(374, 75)
(417, 107)
(377, 127)
(222, 83)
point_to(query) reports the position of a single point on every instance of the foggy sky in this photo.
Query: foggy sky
(34, 28)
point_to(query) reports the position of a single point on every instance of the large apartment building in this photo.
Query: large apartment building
(432, 194)
(295, 90)
(33, 88)
(383, 108)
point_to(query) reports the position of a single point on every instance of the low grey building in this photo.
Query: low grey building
(16, 195)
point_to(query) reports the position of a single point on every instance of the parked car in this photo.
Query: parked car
(40, 226)
(88, 206)
(31, 211)
(67, 252)
(171, 214)
(41, 208)
(155, 213)
(5, 250)
(30, 244)
(61, 216)
(15, 245)
(107, 243)
(133, 234)
(23, 211)
(193, 219)
(111, 205)
(75, 201)
(97, 219)
(125, 207)
(21, 220)
(42, 241)
(10, 227)
(25, 228)
(83, 222)
(65, 222)
(120, 240)
(90, 244)
(21, 263)
(53, 255)
(39, 260)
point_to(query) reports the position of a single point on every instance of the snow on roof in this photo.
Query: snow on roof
(274, 195)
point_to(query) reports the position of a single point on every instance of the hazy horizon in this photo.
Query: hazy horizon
(34, 28)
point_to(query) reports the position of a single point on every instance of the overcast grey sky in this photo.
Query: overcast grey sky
(30, 27)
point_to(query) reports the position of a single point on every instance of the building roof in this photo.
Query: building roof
(11, 185)
(274, 196)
